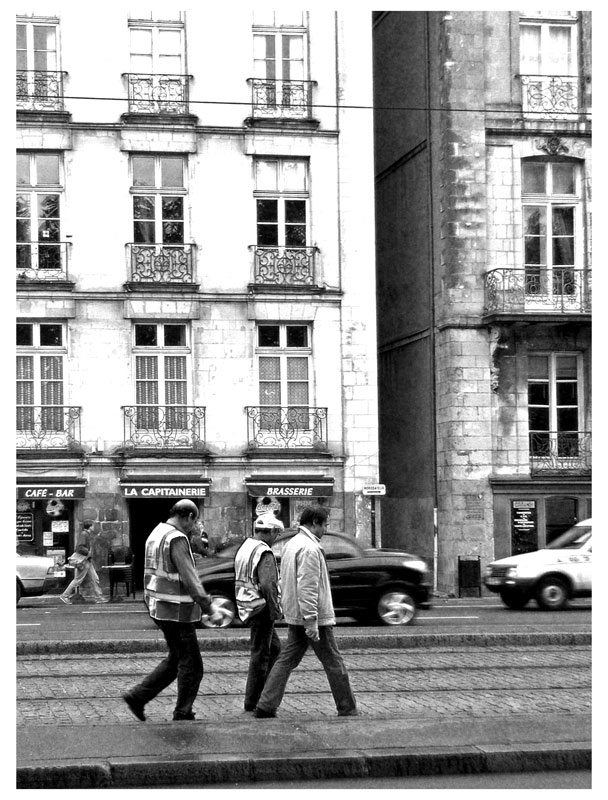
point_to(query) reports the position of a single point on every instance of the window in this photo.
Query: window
(551, 224)
(548, 47)
(40, 390)
(39, 83)
(554, 410)
(161, 375)
(39, 195)
(281, 191)
(284, 373)
(156, 49)
(158, 199)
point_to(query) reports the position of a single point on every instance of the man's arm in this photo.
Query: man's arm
(268, 580)
(307, 588)
(180, 555)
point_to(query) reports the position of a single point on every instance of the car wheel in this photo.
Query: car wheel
(395, 607)
(551, 594)
(226, 608)
(515, 600)
(18, 592)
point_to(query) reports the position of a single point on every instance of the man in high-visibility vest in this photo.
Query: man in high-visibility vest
(175, 598)
(258, 601)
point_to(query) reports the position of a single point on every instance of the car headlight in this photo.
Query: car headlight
(511, 572)
(419, 565)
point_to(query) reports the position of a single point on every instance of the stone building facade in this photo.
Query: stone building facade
(195, 271)
(483, 209)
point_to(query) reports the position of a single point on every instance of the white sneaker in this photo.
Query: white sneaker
(65, 600)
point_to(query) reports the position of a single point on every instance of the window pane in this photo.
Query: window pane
(143, 207)
(534, 178)
(172, 172)
(538, 419)
(146, 368)
(267, 210)
(295, 211)
(173, 207)
(141, 40)
(23, 170)
(47, 169)
(48, 206)
(297, 336)
(297, 369)
(538, 394)
(268, 336)
(530, 49)
(295, 236)
(565, 367)
(145, 336)
(51, 335)
(143, 170)
(25, 334)
(266, 175)
(270, 368)
(535, 221)
(169, 42)
(559, 57)
(270, 394)
(294, 176)
(51, 368)
(563, 179)
(175, 335)
(567, 419)
(567, 394)
(538, 367)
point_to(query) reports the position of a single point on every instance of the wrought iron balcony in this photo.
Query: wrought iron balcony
(39, 261)
(561, 290)
(286, 427)
(554, 451)
(40, 90)
(48, 427)
(174, 427)
(158, 94)
(161, 263)
(281, 99)
(551, 94)
(284, 266)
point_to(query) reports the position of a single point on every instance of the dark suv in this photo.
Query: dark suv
(387, 586)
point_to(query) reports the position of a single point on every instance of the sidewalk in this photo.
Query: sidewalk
(176, 753)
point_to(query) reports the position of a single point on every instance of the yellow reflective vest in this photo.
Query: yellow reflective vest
(248, 596)
(165, 594)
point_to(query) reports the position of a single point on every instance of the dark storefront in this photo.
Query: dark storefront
(287, 496)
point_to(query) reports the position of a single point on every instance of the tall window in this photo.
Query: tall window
(551, 224)
(156, 49)
(281, 191)
(39, 193)
(158, 199)
(284, 353)
(161, 375)
(40, 391)
(38, 78)
(548, 60)
(554, 405)
(279, 63)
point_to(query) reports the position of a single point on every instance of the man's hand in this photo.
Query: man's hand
(210, 609)
(311, 628)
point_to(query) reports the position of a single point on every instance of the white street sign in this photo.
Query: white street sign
(374, 488)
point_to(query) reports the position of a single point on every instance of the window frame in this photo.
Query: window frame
(30, 23)
(37, 352)
(283, 352)
(156, 28)
(282, 196)
(157, 194)
(546, 22)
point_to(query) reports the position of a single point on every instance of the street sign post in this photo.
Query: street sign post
(374, 490)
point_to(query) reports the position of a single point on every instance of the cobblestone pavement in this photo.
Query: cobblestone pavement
(477, 681)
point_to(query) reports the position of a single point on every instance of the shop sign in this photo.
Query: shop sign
(285, 489)
(524, 526)
(44, 492)
(160, 490)
(25, 526)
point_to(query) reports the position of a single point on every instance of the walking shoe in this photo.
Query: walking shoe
(65, 600)
(102, 600)
(249, 709)
(260, 713)
(135, 707)
(177, 717)
(352, 713)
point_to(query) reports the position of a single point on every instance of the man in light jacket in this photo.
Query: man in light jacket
(309, 613)
(258, 601)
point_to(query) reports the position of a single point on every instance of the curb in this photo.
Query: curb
(214, 769)
(401, 639)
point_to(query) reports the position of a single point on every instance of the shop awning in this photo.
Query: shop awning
(69, 489)
(151, 488)
(297, 486)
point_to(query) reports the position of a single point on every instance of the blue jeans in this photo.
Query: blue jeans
(183, 662)
(265, 649)
(292, 653)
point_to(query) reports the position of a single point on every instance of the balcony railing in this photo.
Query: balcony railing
(40, 90)
(281, 99)
(553, 451)
(158, 94)
(284, 266)
(175, 427)
(551, 94)
(562, 290)
(161, 263)
(286, 427)
(42, 262)
(48, 427)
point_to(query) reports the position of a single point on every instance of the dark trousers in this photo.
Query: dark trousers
(264, 651)
(184, 662)
(326, 650)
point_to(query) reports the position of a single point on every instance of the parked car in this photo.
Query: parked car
(552, 576)
(35, 576)
(388, 586)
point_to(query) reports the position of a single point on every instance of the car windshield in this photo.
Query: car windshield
(572, 539)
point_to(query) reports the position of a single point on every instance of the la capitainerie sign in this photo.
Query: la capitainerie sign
(154, 490)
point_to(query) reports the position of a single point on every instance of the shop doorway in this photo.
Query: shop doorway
(144, 516)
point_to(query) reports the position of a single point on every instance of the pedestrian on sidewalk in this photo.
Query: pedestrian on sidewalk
(258, 601)
(85, 576)
(175, 598)
(309, 613)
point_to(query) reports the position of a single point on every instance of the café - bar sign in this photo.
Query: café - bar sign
(47, 491)
(161, 490)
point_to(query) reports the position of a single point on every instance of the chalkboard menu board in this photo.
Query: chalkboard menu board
(25, 526)
(524, 526)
